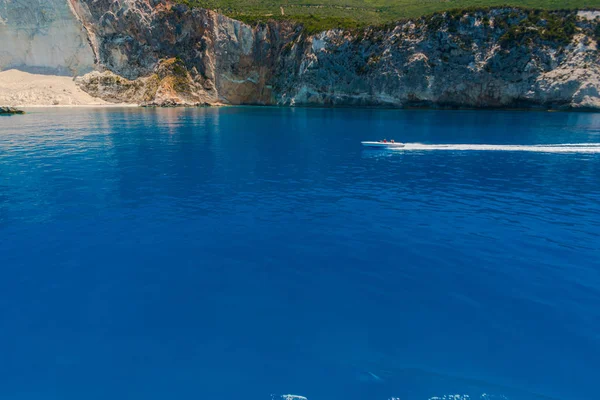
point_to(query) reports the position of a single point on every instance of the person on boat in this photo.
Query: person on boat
(392, 141)
(384, 140)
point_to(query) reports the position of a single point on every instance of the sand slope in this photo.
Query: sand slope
(23, 89)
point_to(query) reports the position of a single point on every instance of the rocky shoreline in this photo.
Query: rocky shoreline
(6, 110)
(158, 53)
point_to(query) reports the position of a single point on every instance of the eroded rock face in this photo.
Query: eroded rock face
(43, 36)
(158, 52)
(469, 64)
(225, 61)
(170, 84)
(462, 62)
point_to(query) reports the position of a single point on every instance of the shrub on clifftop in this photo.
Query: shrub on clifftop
(327, 14)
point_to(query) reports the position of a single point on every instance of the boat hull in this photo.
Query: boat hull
(380, 145)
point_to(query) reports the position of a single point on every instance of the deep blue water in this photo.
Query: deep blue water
(240, 253)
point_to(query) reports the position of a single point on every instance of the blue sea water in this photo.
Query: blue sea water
(248, 253)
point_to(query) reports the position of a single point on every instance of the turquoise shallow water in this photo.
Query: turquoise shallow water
(252, 252)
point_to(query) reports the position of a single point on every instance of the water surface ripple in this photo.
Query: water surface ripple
(243, 252)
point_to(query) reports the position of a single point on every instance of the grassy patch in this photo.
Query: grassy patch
(557, 27)
(319, 15)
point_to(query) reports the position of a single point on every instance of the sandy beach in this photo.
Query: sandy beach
(24, 90)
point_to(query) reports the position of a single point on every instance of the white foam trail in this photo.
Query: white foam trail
(542, 148)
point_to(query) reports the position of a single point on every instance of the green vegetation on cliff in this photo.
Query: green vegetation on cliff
(556, 27)
(325, 14)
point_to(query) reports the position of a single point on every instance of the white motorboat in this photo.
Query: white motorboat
(383, 145)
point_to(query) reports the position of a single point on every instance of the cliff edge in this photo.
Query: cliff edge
(157, 52)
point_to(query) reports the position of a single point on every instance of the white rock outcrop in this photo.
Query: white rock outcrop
(43, 36)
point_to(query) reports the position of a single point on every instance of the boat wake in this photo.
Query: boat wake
(542, 148)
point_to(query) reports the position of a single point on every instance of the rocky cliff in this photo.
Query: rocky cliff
(159, 52)
(43, 36)
(478, 59)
